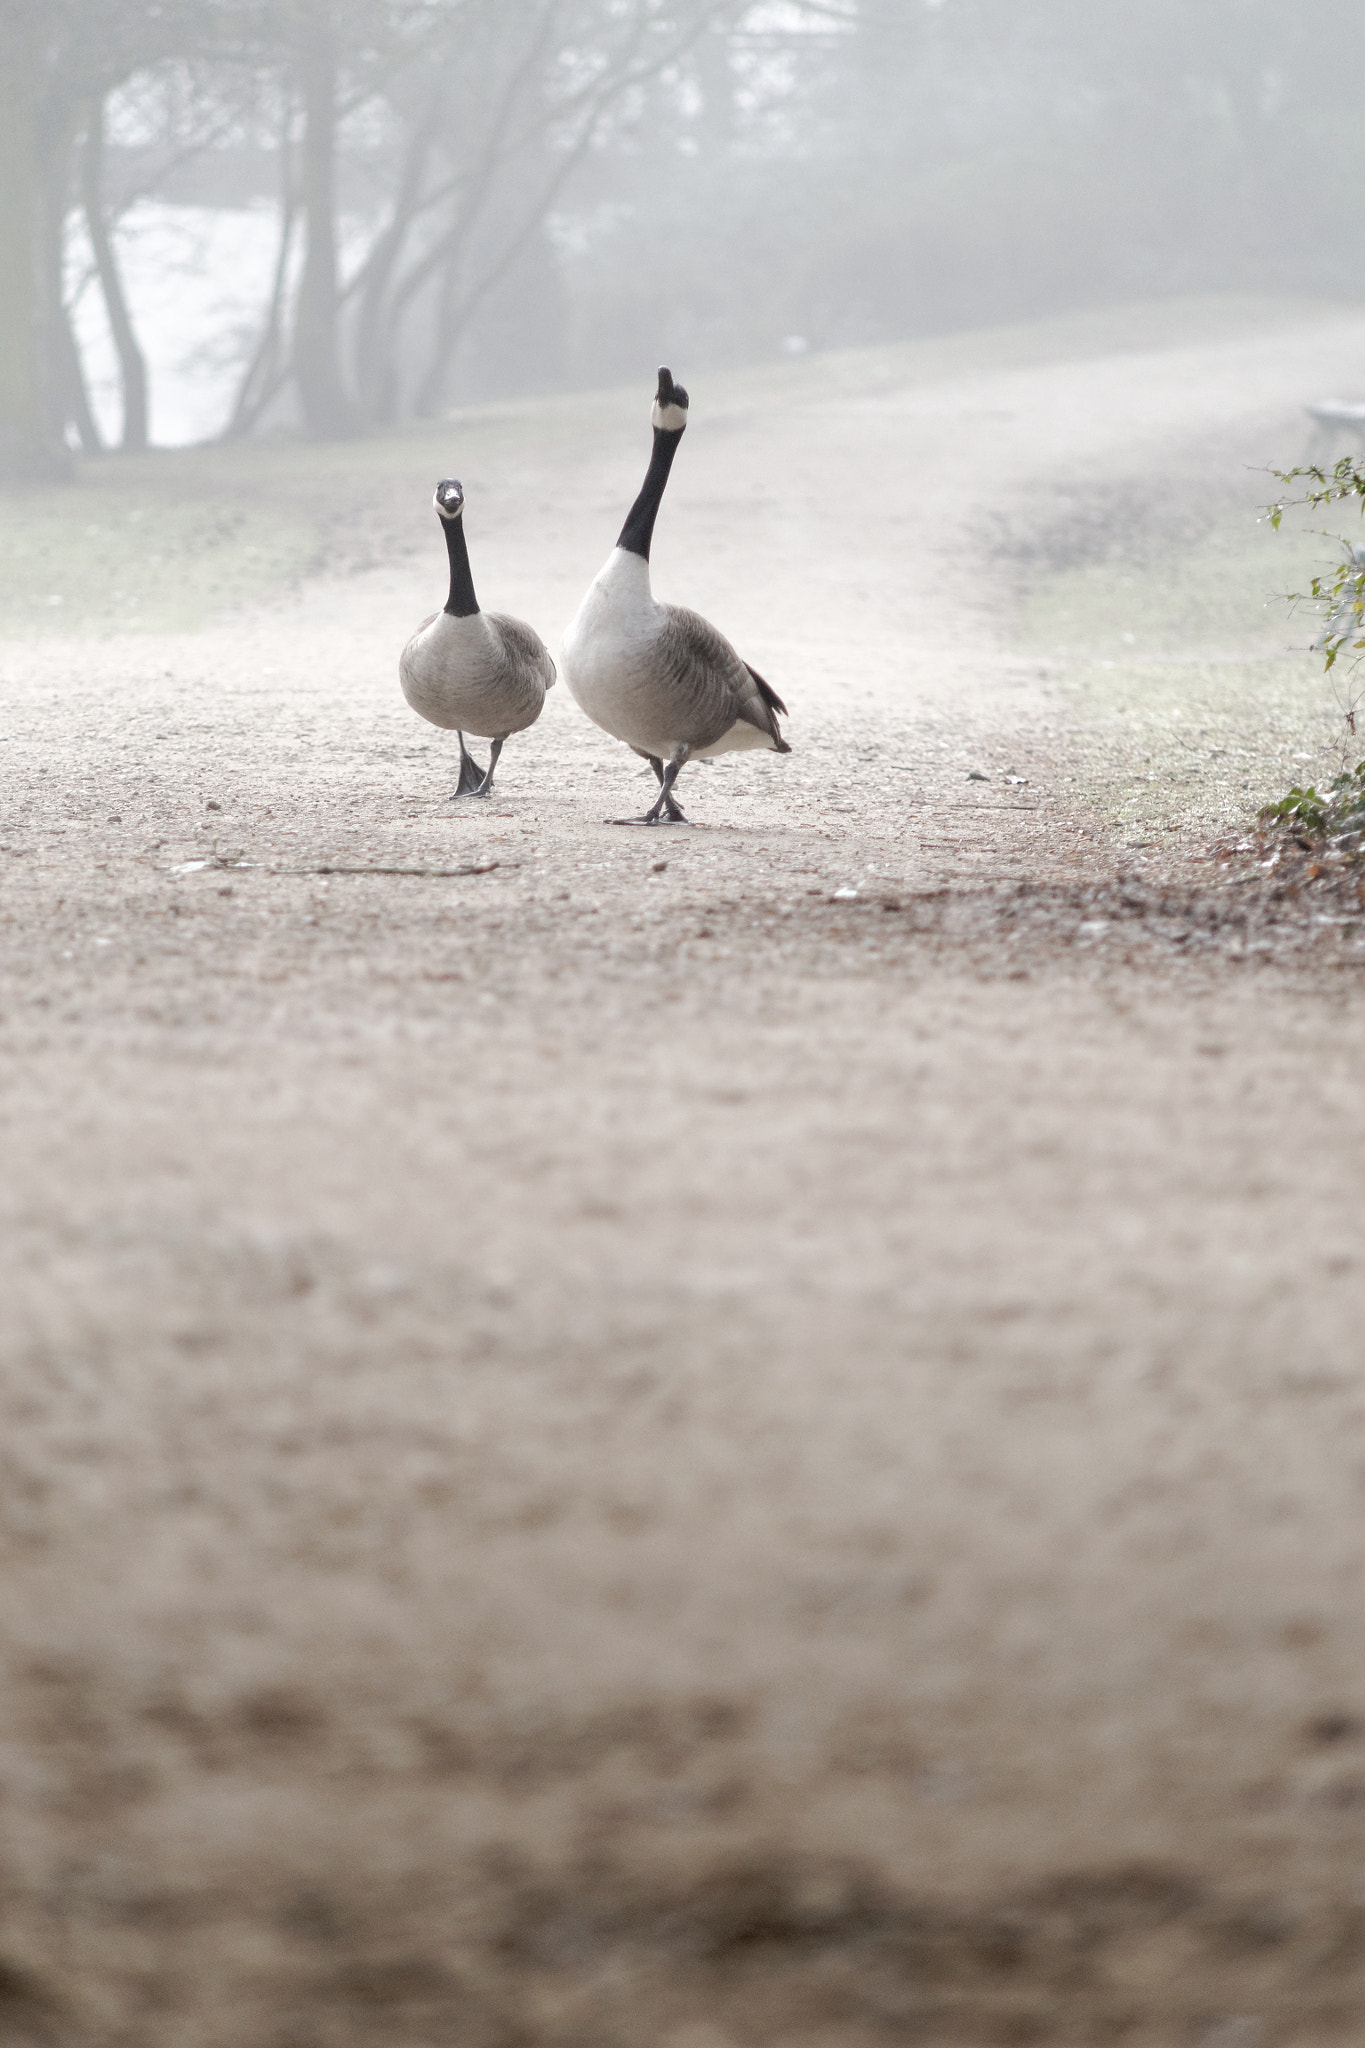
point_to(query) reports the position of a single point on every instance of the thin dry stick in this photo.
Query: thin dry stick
(219, 865)
(481, 868)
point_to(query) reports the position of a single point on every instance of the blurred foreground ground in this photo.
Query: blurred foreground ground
(623, 1446)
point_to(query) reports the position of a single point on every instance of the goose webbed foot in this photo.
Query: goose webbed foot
(473, 779)
(655, 817)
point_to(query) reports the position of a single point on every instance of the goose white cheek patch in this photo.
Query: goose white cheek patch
(669, 417)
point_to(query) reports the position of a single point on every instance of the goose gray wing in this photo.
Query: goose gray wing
(525, 646)
(721, 686)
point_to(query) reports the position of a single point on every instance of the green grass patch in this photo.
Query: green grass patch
(1226, 590)
(135, 561)
(169, 541)
(1192, 696)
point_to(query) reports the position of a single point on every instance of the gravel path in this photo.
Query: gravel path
(737, 1436)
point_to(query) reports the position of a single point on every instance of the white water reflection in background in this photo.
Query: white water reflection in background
(197, 279)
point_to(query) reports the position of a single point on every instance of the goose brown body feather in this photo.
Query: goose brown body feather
(659, 676)
(710, 689)
(486, 674)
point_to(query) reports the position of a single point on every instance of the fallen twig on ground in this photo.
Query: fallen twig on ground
(220, 863)
(483, 867)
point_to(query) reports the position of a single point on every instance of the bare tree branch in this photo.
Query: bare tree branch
(268, 370)
(595, 102)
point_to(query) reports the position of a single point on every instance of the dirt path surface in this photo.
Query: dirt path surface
(608, 1443)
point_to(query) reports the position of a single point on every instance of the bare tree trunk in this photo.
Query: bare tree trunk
(388, 304)
(28, 445)
(268, 371)
(131, 361)
(74, 388)
(327, 411)
(454, 311)
(376, 373)
(446, 322)
(64, 393)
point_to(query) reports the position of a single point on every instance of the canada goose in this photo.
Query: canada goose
(473, 671)
(654, 675)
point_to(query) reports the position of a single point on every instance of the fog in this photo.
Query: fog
(348, 216)
(744, 1432)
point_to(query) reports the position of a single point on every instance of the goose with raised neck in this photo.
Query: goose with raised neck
(658, 676)
(473, 671)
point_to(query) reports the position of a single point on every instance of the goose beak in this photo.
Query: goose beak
(670, 404)
(668, 392)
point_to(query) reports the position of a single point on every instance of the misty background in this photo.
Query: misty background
(339, 217)
(724, 1439)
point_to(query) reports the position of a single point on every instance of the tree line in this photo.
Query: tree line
(724, 173)
(474, 115)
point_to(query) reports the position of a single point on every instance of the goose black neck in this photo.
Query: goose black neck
(638, 530)
(462, 603)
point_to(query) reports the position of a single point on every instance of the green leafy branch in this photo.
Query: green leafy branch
(1337, 810)
(1337, 596)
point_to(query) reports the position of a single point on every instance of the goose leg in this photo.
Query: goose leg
(485, 787)
(472, 778)
(666, 809)
(673, 813)
(672, 809)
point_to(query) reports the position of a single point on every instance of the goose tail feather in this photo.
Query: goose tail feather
(767, 692)
(772, 704)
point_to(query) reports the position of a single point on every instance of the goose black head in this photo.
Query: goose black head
(449, 499)
(670, 405)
